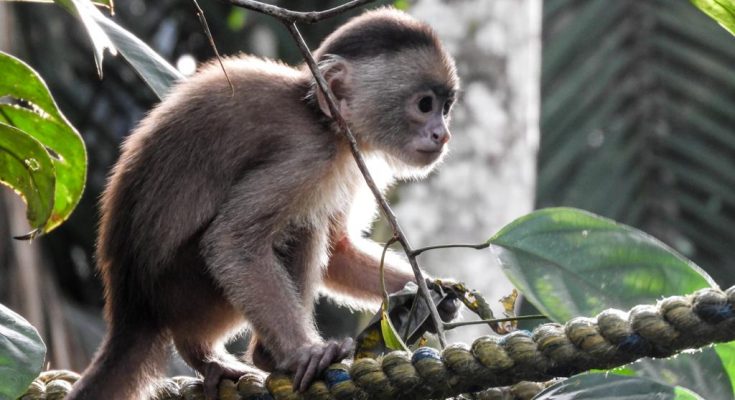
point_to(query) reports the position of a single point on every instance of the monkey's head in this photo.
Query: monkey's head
(395, 85)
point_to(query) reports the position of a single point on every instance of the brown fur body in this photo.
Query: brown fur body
(231, 209)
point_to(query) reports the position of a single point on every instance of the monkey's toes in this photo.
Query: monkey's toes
(316, 358)
(213, 374)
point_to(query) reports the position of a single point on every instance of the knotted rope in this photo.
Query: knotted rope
(552, 350)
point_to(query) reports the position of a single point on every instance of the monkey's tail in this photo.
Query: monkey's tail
(125, 366)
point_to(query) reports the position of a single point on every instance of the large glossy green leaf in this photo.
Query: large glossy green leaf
(44, 122)
(726, 351)
(26, 167)
(603, 386)
(22, 353)
(637, 121)
(105, 34)
(701, 371)
(569, 262)
(722, 11)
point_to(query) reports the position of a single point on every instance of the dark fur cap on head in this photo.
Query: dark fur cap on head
(380, 31)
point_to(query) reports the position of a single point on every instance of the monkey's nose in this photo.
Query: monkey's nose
(441, 137)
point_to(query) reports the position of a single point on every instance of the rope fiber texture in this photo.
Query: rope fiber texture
(510, 364)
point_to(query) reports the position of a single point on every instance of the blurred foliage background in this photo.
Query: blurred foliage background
(637, 124)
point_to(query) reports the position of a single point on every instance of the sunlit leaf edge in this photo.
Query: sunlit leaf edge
(71, 163)
(40, 196)
(73, 149)
(722, 11)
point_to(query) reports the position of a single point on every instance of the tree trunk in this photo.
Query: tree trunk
(489, 177)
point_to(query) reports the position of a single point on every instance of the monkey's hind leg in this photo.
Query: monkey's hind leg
(200, 342)
(130, 357)
(213, 363)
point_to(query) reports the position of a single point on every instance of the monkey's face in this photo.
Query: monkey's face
(400, 105)
(426, 125)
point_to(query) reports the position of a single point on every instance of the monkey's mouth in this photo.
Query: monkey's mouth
(431, 152)
(428, 156)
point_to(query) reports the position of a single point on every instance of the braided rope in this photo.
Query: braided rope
(611, 339)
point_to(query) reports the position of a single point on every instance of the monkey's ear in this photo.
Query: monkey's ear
(337, 74)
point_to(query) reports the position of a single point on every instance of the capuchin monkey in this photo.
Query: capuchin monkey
(228, 211)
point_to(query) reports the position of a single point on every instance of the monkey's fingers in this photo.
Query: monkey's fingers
(449, 308)
(307, 370)
(330, 353)
(346, 348)
(317, 359)
(214, 372)
(301, 364)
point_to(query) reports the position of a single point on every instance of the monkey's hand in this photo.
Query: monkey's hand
(448, 308)
(309, 361)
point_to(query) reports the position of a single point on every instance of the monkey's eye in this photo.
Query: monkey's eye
(426, 104)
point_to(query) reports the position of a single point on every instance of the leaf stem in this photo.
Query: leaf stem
(452, 325)
(478, 246)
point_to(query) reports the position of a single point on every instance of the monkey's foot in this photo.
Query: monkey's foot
(213, 373)
(311, 360)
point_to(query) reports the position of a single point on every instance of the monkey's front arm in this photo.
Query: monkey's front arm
(354, 273)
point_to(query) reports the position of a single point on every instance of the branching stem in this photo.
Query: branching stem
(452, 325)
(478, 246)
(289, 16)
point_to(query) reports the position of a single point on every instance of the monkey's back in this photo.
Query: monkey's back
(178, 166)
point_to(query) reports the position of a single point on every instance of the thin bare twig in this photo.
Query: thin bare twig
(307, 17)
(452, 325)
(208, 33)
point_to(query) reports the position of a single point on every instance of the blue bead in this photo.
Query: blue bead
(520, 332)
(425, 352)
(335, 376)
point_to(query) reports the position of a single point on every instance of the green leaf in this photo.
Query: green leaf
(701, 371)
(570, 262)
(726, 351)
(390, 336)
(106, 34)
(601, 151)
(237, 19)
(20, 81)
(44, 122)
(401, 4)
(722, 11)
(22, 353)
(26, 167)
(601, 386)
(85, 11)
